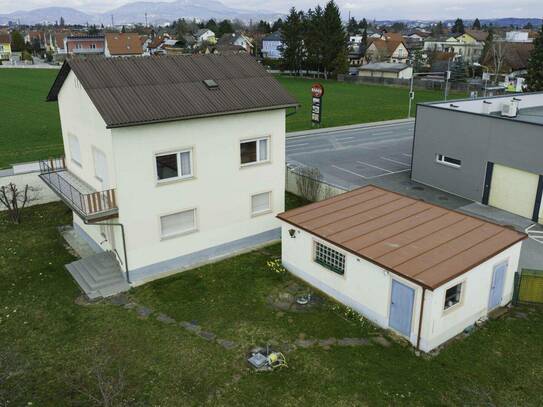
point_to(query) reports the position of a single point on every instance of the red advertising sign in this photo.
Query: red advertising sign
(317, 90)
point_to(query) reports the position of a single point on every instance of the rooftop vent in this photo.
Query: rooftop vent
(211, 84)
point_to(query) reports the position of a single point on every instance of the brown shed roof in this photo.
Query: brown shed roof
(141, 90)
(419, 241)
(124, 44)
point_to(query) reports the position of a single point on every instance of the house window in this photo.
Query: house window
(93, 46)
(176, 165)
(100, 165)
(179, 223)
(75, 149)
(261, 203)
(453, 162)
(452, 296)
(254, 151)
(329, 258)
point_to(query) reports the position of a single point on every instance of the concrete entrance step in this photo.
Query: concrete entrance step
(99, 275)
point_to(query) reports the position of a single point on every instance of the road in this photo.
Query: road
(355, 156)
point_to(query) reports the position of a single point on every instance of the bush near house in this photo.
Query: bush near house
(56, 350)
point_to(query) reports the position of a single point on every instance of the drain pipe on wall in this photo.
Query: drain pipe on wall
(420, 316)
(124, 242)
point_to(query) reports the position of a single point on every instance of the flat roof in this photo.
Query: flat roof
(422, 242)
(529, 114)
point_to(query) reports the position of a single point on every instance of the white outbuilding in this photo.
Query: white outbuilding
(423, 271)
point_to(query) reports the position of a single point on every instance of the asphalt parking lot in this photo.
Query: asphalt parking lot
(354, 157)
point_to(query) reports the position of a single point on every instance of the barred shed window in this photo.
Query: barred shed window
(452, 296)
(329, 258)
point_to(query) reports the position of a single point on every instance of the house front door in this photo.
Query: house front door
(401, 308)
(496, 288)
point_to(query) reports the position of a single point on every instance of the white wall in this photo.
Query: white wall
(441, 325)
(220, 190)
(366, 288)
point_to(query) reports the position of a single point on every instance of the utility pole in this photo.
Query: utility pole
(447, 77)
(112, 23)
(146, 25)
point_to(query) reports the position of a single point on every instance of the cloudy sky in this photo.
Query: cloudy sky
(378, 9)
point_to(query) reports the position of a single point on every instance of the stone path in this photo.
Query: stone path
(301, 343)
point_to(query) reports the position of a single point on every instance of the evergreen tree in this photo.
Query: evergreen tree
(352, 27)
(476, 24)
(225, 26)
(458, 70)
(334, 57)
(458, 27)
(263, 27)
(534, 78)
(363, 24)
(437, 29)
(211, 24)
(62, 23)
(313, 38)
(277, 25)
(17, 41)
(528, 26)
(364, 42)
(293, 46)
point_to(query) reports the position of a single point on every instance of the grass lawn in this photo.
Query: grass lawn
(29, 126)
(347, 103)
(51, 347)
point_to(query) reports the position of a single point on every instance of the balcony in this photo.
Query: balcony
(89, 204)
(88, 50)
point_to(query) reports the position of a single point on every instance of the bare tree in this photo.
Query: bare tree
(308, 181)
(15, 200)
(499, 51)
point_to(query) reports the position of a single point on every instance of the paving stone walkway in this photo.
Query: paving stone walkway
(301, 343)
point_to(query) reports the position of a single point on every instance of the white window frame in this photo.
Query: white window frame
(76, 160)
(441, 159)
(178, 153)
(263, 212)
(462, 285)
(258, 160)
(325, 266)
(181, 233)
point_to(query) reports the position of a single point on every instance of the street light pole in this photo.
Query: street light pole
(411, 96)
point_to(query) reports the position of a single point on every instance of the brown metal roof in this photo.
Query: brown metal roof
(141, 90)
(422, 242)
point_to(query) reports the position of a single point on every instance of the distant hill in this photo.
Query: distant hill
(157, 13)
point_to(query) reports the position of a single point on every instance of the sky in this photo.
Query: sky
(371, 9)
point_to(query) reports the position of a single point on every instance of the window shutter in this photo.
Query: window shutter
(176, 223)
(261, 202)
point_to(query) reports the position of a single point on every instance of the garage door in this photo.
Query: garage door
(513, 190)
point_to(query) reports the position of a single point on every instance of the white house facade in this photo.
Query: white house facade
(272, 46)
(412, 267)
(188, 185)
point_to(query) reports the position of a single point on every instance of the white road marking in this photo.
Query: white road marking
(390, 173)
(349, 171)
(374, 166)
(394, 161)
(407, 155)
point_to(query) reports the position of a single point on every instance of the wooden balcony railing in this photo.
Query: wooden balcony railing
(75, 193)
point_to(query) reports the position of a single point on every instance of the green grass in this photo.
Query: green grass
(347, 103)
(29, 126)
(48, 342)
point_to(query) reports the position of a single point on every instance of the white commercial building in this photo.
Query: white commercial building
(421, 270)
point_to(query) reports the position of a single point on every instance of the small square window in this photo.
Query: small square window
(254, 151)
(452, 296)
(329, 258)
(261, 203)
(174, 165)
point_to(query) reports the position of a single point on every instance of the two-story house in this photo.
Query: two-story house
(388, 50)
(122, 45)
(272, 45)
(84, 44)
(170, 161)
(5, 47)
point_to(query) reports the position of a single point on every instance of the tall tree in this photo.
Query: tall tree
(212, 25)
(225, 26)
(293, 46)
(364, 42)
(17, 41)
(458, 27)
(476, 24)
(534, 78)
(437, 29)
(352, 26)
(263, 27)
(313, 38)
(458, 70)
(277, 25)
(62, 23)
(334, 58)
(363, 24)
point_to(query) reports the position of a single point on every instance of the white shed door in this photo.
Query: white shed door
(513, 190)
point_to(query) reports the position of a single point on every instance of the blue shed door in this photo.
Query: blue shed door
(401, 308)
(496, 289)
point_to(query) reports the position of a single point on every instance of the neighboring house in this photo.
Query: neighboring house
(33, 37)
(187, 153)
(487, 150)
(518, 36)
(416, 36)
(468, 45)
(356, 54)
(5, 47)
(84, 44)
(511, 57)
(205, 36)
(421, 270)
(234, 42)
(387, 51)
(122, 44)
(386, 70)
(272, 46)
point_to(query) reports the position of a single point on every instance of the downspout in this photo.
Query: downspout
(420, 316)
(124, 243)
